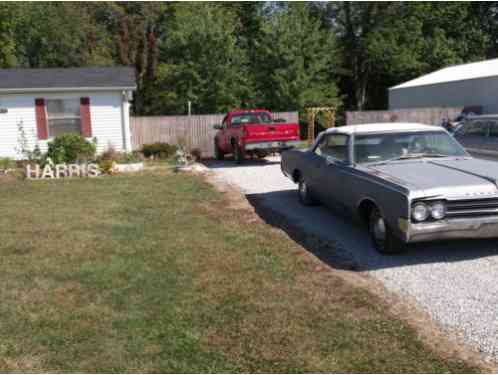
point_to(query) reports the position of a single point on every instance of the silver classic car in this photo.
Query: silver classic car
(407, 182)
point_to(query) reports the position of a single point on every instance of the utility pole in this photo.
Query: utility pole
(189, 107)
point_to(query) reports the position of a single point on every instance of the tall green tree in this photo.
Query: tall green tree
(201, 62)
(385, 43)
(8, 19)
(295, 60)
(59, 35)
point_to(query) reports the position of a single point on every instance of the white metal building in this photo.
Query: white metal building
(467, 85)
(44, 103)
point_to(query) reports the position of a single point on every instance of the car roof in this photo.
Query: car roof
(482, 117)
(383, 127)
(243, 111)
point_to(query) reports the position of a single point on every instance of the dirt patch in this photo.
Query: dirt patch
(339, 265)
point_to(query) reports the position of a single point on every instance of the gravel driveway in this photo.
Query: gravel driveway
(455, 282)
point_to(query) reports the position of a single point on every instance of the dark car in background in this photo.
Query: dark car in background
(479, 135)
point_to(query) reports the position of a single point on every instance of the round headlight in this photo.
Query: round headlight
(420, 212)
(438, 210)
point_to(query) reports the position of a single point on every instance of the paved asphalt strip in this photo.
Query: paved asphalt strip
(456, 282)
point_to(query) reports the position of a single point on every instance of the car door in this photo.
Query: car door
(490, 143)
(332, 170)
(472, 135)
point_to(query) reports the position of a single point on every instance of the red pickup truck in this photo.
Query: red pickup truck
(253, 133)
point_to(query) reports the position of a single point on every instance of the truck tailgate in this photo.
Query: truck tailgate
(271, 132)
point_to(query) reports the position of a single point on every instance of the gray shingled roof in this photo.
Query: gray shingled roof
(64, 78)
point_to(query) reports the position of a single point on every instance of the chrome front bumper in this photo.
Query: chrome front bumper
(276, 145)
(470, 227)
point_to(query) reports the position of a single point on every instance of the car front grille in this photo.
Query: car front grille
(472, 207)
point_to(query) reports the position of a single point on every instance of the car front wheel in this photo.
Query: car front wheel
(304, 193)
(384, 241)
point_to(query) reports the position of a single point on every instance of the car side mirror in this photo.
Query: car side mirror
(218, 126)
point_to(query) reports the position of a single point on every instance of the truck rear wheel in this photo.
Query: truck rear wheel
(238, 156)
(218, 154)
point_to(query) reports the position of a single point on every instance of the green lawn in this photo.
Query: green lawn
(145, 274)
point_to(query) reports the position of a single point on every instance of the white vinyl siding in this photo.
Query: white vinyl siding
(105, 111)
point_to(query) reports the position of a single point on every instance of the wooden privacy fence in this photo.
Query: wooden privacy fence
(429, 116)
(196, 130)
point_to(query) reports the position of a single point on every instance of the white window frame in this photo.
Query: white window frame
(73, 117)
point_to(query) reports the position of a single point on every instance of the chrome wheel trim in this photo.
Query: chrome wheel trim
(303, 190)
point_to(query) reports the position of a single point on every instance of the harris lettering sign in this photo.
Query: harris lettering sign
(37, 172)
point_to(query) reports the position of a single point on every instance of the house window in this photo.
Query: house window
(63, 116)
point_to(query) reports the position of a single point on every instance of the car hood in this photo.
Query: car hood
(466, 177)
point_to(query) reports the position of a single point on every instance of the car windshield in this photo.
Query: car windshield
(251, 118)
(374, 148)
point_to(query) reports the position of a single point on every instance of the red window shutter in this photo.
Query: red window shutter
(41, 119)
(86, 121)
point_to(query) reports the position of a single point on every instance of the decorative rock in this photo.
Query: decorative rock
(128, 168)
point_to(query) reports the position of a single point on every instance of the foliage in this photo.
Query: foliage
(385, 43)
(128, 158)
(280, 56)
(8, 20)
(159, 150)
(295, 61)
(7, 163)
(201, 61)
(24, 148)
(105, 165)
(51, 34)
(70, 148)
(110, 156)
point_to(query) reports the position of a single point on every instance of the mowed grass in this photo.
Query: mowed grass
(154, 273)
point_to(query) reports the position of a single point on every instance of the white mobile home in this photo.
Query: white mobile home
(44, 103)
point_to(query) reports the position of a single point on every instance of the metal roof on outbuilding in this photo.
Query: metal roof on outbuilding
(481, 69)
(20, 80)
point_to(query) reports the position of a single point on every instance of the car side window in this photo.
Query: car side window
(476, 128)
(334, 146)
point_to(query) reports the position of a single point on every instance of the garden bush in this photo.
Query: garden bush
(70, 148)
(110, 156)
(159, 150)
(128, 158)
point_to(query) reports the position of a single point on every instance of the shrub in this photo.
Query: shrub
(128, 158)
(69, 148)
(107, 159)
(109, 154)
(105, 165)
(159, 150)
